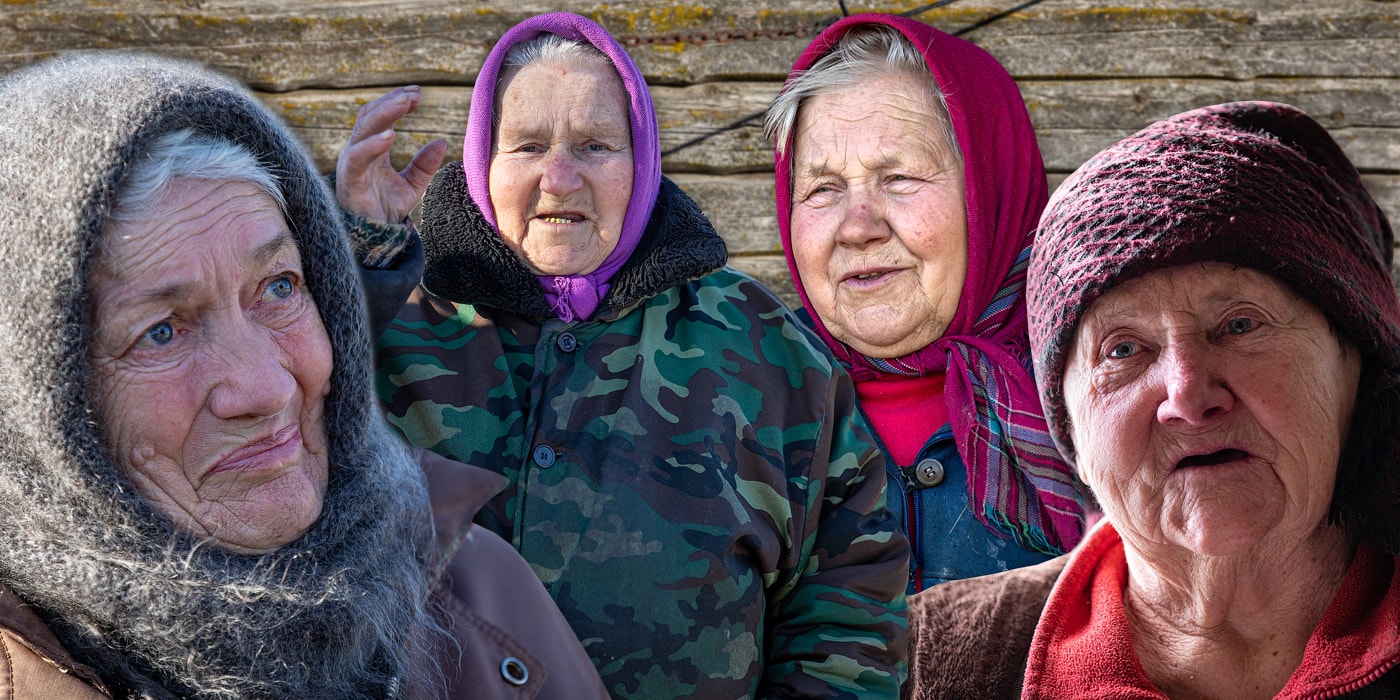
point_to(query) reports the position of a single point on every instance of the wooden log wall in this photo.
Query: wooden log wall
(1091, 71)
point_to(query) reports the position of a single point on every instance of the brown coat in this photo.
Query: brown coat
(498, 606)
(971, 638)
(501, 616)
(32, 662)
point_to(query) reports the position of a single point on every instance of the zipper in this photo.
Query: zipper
(896, 488)
(916, 560)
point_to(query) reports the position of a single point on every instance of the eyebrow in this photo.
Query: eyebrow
(262, 257)
(589, 130)
(1120, 311)
(885, 163)
(267, 252)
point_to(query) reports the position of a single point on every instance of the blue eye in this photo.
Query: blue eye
(1122, 350)
(280, 288)
(160, 334)
(1240, 326)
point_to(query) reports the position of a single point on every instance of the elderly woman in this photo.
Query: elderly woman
(908, 186)
(1218, 344)
(688, 474)
(199, 499)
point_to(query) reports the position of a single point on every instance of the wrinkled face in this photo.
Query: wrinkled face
(212, 365)
(1208, 406)
(879, 223)
(561, 170)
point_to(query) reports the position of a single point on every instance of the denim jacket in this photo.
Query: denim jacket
(947, 542)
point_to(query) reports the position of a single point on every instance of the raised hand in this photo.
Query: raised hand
(365, 181)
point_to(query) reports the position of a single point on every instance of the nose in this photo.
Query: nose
(561, 172)
(1196, 395)
(863, 219)
(251, 375)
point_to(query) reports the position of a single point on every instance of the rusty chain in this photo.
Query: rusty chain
(810, 29)
(723, 37)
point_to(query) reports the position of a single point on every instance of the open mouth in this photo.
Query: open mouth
(1212, 459)
(561, 218)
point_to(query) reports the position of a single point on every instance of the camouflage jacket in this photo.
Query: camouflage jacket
(687, 470)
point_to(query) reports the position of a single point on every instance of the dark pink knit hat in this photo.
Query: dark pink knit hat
(1255, 184)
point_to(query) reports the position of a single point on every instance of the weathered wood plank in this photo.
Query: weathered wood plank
(772, 271)
(1074, 120)
(741, 207)
(278, 46)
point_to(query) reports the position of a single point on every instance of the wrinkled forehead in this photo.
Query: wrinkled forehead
(587, 84)
(198, 231)
(1200, 291)
(887, 122)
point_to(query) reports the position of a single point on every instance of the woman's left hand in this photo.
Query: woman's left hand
(365, 181)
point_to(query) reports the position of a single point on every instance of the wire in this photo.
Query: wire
(996, 17)
(722, 130)
(918, 11)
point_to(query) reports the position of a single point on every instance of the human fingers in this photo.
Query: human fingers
(381, 113)
(420, 171)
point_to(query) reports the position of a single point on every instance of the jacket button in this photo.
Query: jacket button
(514, 671)
(544, 456)
(929, 472)
(567, 342)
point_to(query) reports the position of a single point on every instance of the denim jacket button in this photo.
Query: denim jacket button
(929, 472)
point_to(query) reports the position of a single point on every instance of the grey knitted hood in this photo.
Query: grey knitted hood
(153, 611)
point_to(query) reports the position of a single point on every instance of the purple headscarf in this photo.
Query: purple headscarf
(571, 296)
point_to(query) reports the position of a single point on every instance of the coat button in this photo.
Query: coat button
(544, 456)
(929, 472)
(567, 342)
(514, 671)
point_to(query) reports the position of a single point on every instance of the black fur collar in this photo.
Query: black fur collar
(467, 261)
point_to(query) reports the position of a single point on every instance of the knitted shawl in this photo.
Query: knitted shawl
(153, 611)
(1018, 483)
(571, 296)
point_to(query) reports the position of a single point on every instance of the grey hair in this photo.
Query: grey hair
(861, 53)
(190, 154)
(545, 48)
(552, 48)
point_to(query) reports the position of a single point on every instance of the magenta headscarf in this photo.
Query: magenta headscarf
(571, 296)
(1018, 483)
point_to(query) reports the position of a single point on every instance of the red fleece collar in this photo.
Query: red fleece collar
(1084, 648)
